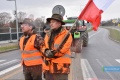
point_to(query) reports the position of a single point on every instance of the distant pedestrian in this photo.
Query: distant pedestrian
(46, 28)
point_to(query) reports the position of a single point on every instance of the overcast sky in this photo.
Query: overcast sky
(44, 7)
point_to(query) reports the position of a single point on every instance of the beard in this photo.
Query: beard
(28, 33)
(25, 33)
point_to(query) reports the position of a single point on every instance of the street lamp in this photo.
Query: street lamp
(16, 18)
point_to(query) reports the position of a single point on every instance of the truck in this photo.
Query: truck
(79, 33)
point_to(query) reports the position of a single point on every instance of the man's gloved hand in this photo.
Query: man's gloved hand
(49, 53)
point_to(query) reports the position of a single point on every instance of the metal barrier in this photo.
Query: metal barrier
(11, 34)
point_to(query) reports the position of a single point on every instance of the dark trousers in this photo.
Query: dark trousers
(32, 72)
(55, 76)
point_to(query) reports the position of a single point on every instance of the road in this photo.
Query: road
(87, 65)
(100, 52)
(8, 62)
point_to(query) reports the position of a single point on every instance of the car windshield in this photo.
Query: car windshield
(80, 22)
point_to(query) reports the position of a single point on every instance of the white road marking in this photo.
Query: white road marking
(2, 60)
(118, 60)
(94, 34)
(9, 69)
(106, 72)
(88, 73)
(9, 62)
(84, 69)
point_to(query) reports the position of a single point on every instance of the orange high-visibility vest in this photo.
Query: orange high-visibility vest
(64, 54)
(30, 55)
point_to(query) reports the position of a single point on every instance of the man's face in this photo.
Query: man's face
(55, 24)
(25, 28)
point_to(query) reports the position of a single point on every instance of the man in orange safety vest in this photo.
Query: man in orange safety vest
(30, 45)
(57, 61)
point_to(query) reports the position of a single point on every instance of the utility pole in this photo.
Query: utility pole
(16, 18)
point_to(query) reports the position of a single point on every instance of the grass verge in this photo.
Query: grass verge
(114, 34)
(7, 48)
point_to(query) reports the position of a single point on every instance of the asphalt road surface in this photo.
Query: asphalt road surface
(87, 65)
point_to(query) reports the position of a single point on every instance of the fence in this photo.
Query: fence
(11, 33)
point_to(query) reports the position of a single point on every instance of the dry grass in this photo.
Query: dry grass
(114, 34)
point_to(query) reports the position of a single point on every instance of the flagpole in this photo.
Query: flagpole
(67, 34)
(73, 25)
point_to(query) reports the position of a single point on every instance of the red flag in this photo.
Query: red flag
(93, 10)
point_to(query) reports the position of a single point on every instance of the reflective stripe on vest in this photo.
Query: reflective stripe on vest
(29, 51)
(32, 58)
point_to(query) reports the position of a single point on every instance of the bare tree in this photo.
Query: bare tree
(5, 18)
(21, 16)
(31, 16)
(39, 23)
(107, 23)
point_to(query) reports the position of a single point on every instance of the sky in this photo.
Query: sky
(44, 7)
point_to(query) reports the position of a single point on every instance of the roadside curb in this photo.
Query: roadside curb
(114, 40)
(8, 50)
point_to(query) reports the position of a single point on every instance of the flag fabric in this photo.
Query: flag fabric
(93, 10)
